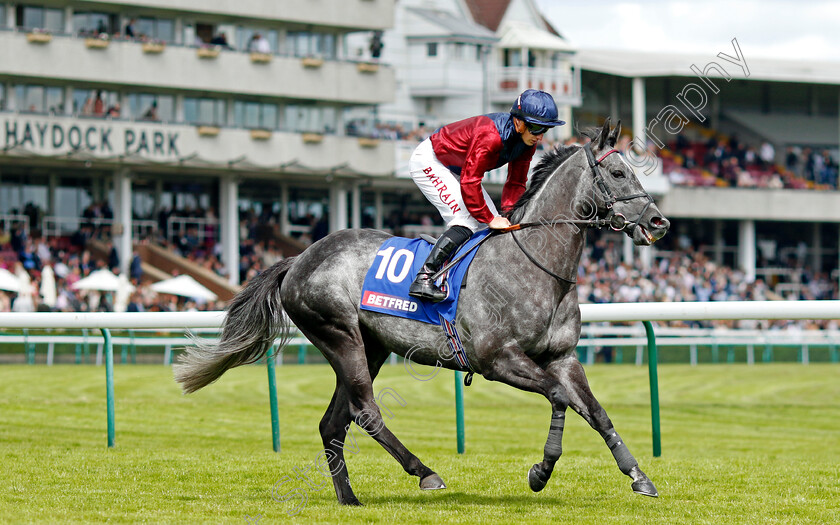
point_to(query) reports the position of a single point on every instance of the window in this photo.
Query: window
(148, 106)
(513, 58)
(39, 99)
(31, 17)
(94, 23)
(255, 115)
(310, 118)
(156, 29)
(458, 51)
(95, 102)
(431, 49)
(209, 111)
(2, 15)
(303, 44)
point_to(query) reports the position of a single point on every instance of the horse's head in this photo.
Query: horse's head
(616, 192)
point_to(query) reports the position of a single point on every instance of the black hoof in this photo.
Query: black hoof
(354, 502)
(537, 478)
(432, 482)
(645, 488)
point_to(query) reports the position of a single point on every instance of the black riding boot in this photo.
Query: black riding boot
(423, 286)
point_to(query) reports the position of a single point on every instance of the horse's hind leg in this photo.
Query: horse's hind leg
(570, 373)
(354, 401)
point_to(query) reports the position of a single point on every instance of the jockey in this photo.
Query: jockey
(448, 168)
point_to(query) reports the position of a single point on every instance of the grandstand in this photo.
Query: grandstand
(214, 141)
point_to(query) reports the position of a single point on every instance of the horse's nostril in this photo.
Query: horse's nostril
(659, 222)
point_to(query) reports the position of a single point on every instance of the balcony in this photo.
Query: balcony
(508, 82)
(127, 62)
(350, 14)
(155, 146)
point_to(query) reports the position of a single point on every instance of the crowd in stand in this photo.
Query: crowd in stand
(683, 274)
(731, 162)
(688, 274)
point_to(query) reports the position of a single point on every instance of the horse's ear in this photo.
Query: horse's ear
(614, 134)
(604, 134)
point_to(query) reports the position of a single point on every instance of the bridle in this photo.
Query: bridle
(616, 221)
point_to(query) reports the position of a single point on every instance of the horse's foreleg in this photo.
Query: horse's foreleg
(570, 373)
(516, 369)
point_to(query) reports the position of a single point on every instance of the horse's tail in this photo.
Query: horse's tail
(255, 319)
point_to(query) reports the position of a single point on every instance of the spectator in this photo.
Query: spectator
(129, 28)
(99, 105)
(376, 45)
(259, 44)
(151, 113)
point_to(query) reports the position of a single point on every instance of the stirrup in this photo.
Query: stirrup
(424, 288)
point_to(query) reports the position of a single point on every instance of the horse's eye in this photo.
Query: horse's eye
(618, 174)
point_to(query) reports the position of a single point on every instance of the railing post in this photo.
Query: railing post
(653, 358)
(109, 385)
(459, 410)
(272, 400)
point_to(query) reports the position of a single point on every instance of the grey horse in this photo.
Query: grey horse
(518, 315)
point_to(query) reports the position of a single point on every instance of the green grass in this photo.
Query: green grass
(740, 444)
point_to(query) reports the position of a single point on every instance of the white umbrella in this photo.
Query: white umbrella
(103, 280)
(185, 286)
(48, 291)
(123, 294)
(8, 281)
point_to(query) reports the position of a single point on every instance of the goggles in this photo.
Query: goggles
(536, 129)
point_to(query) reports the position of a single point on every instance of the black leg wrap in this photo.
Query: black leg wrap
(620, 452)
(554, 443)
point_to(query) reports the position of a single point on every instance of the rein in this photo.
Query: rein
(616, 221)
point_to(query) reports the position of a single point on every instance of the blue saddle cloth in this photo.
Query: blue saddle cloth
(393, 270)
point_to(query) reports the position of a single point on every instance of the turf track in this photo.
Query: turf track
(740, 445)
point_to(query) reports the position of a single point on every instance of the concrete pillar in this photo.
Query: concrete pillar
(68, 20)
(338, 211)
(639, 111)
(68, 100)
(179, 31)
(179, 108)
(356, 209)
(229, 225)
(379, 219)
(284, 209)
(614, 107)
(52, 193)
(816, 247)
(11, 96)
(714, 113)
(122, 237)
(627, 253)
(646, 256)
(10, 15)
(746, 248)
(719, 242)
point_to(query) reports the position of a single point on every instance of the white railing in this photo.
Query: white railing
(9, 221)
(205, 229)
(63, 226)
(623, 312)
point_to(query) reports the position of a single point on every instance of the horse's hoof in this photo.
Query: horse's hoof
(537, 479)
(353, 502)
(645, 488)
(432, 482)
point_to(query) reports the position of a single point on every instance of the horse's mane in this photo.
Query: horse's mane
(544, 168)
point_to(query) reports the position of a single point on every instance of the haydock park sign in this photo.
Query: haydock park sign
(53, 136)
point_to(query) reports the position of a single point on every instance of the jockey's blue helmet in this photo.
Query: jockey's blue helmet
(536, 107)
